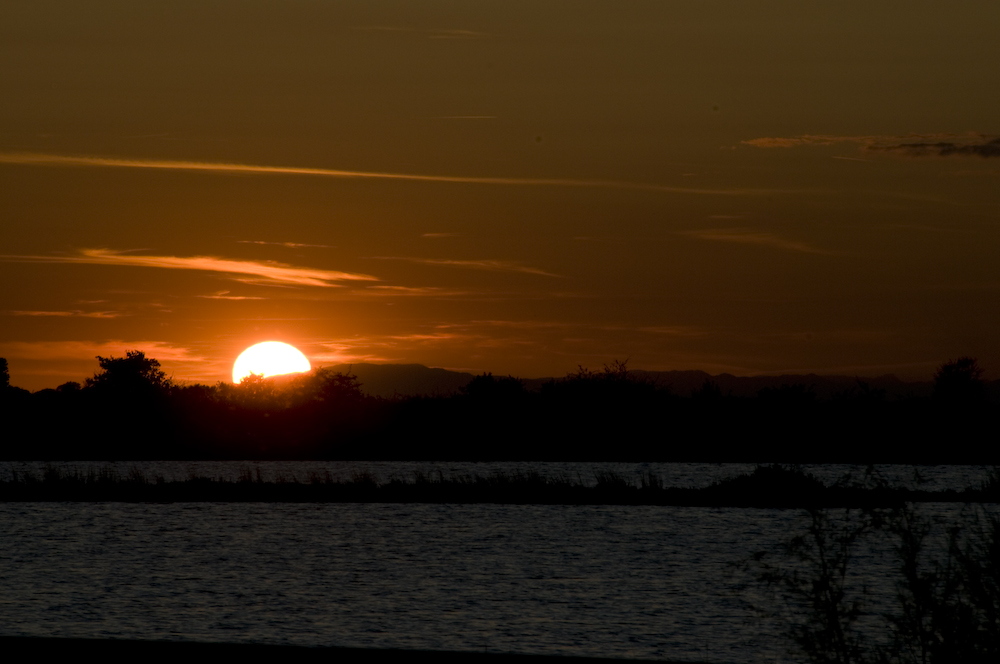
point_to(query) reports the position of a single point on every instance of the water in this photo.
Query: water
(641, 582)
(644, 582)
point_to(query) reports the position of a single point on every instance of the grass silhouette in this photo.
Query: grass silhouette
(772, 486)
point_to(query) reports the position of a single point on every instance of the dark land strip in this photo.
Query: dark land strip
(131, 410)
(766, 487)
(115, 650)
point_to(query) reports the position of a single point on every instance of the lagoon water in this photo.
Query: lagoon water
(629, 582)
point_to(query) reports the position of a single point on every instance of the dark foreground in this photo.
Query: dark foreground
(104, 650)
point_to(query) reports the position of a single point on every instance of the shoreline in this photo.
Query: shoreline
(170, 650)
(765, 487)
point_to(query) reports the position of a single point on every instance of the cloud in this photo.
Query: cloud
(76, 313)
(434, 336)
(914, 145)
(807, 139)
(985, 148)
(38, 159)
(438, 235)
(224, 295)
(518, 324)
(408, 291)
(746, 236)
(291, 245)
(267, 272)
(489, 264)
(457, 34)
(77, 350)
(673, 330)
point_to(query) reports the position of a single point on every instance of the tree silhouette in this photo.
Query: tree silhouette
(254, 391)
(4, 374)
(959, 382)
(332, 388)
(135, 374)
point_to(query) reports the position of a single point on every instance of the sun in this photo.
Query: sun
(269, 358)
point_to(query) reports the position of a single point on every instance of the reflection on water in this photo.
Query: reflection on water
(628, 582)
(642, 582)
(616, 581)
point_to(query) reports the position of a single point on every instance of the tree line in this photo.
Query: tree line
(130, 409)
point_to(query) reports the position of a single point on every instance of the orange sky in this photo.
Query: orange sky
(515, 187)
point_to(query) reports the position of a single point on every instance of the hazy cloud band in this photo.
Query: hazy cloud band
(486, 264)
(746, 236)
(37, 159)
(919, 145)
(272, 272)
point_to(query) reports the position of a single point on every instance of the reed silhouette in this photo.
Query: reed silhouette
(770, 486)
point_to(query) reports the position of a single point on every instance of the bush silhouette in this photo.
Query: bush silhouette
(132, 375)
(947, 594)
(959, 382)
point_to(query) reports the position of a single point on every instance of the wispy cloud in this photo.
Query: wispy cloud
(76, 313)
(514, 324)
(673, 330)
(746, 236)
(433, 336)
(807, 139)
(291, 245)
(224, 295)
(264, 271)
(985, 148)
(440, 235)
(37, 159)
(408, 291)
(489, 264)
(77, 350)
(457, 34)
(914, 145)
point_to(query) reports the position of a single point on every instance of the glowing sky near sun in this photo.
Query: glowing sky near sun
(515, 187)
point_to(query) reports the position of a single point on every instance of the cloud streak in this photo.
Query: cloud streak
(224, 295)
(76, 313)
(290, 245)
(986, 149)
(488, 264)
(264, 272)
(746, 236)
(913, 145)
(410, 291)
(84, 350)
(39, 159)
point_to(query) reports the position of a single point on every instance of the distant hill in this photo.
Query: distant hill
(388, 380)
(408, 380)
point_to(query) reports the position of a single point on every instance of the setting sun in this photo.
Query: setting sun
(270, 358)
